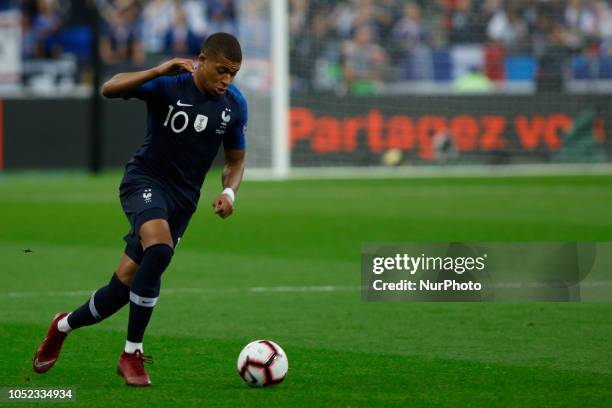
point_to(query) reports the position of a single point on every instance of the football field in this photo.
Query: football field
(286, 267)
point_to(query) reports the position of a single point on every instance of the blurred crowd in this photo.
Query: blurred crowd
(342, 45)
(366, 42)
(130, 30)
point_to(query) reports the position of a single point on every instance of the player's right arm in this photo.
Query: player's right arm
(123, 84)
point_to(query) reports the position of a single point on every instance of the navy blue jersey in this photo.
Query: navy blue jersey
(185, 129)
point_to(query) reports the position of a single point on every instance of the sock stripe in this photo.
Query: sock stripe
(92, 307)
(63, 324)
(142, 301)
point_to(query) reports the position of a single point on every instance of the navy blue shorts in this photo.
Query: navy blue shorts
(144, 201)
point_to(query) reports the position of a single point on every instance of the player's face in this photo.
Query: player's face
(216, 73)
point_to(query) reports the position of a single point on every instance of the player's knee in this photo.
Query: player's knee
(159, 255)
(127, 269)
(126, 277)
(153, 232)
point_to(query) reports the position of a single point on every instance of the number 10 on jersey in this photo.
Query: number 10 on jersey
(199, 124)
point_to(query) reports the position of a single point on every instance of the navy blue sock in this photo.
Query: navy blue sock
(145, 289)
(103, 303)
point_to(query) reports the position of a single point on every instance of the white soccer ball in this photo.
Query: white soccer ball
(262, 363)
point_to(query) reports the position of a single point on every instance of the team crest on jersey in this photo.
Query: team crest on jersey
(200, 123)
(225, 115)
(147, 196)
(225, 118)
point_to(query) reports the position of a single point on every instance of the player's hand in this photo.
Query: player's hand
(176, 66)
(223, 206)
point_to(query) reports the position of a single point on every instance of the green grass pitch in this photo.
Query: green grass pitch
(260, 273)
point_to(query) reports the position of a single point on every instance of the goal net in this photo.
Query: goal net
(409, 85)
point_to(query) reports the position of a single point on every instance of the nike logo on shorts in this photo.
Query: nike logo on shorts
(182, 104)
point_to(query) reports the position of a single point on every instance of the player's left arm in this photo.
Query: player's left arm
(231, 178)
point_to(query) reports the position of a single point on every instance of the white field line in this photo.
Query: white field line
(439, 171)
(279, 289)
(176, 291)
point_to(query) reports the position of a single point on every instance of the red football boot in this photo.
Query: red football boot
(131, 368)
(49, 350)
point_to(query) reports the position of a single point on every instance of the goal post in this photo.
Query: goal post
(264, 79)
(280, 89)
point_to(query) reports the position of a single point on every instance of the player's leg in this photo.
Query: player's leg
(158, 248)
(103, 303)
(126, 270)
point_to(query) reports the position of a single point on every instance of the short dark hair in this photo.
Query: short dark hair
(222, 44)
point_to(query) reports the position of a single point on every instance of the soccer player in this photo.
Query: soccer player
(192, 108)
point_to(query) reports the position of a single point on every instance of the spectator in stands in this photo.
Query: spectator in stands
(180, 39)
(604, 19)
(411, 44)
(344, 15)
(47, 23)
(40, 21)
(580, 18)
(316, 56)
(553, 59)
(410, 31)
(463, 28)
(196, 16)
(299, 18)
(603, 14)
(121, 37)
(221, 16)
(256, 30)
(157, 18)
(377, 16)
(445, 9)
(364, 61)
(316, 37)
(30, 48)
(473, 81)
(508, 26)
